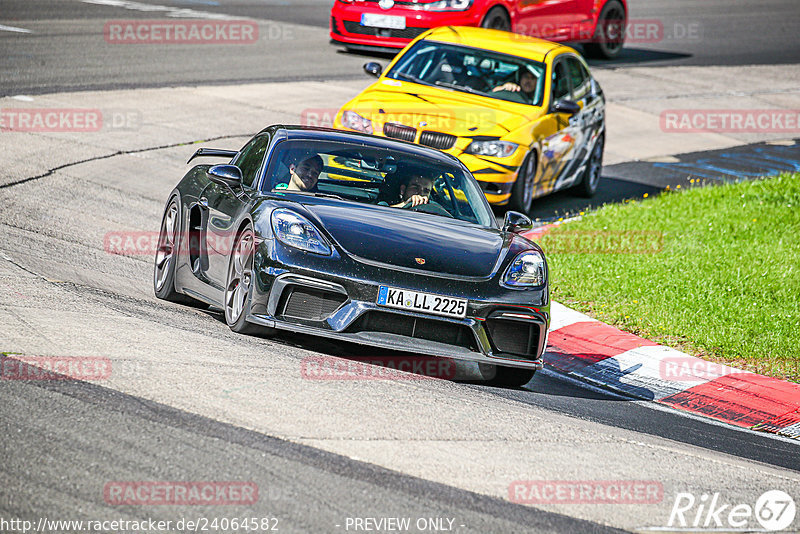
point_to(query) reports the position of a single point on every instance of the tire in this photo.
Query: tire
(167, 255)
(238, 283)
(511, 377)
(522, 190)
(591, 175)
(608, 23)
(497, 19)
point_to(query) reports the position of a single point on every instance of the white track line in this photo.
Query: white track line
(14, 29)
(170, 11)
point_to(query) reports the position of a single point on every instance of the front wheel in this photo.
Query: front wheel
(239, 282)
(522, 190)
(609, 34)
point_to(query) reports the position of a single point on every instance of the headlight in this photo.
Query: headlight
(498, 149)
(527, 270)
(293, 229)
(354, 121)
(448, 5)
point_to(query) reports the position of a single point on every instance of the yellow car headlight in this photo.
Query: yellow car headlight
(497, 149)
(354, 121)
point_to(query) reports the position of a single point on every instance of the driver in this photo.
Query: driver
(526, 86)
(304, 175)
(416, 189)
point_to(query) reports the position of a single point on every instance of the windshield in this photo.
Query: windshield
(377, 176)
(472, 70)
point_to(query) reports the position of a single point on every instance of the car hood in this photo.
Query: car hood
(443, 110)
(413, 240)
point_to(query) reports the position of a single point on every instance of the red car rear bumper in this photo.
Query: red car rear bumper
(346, 27)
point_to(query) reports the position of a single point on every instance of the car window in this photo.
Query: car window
(471, 70)
(560, 81)
(581, 83)
(377, 176)
(250, 158)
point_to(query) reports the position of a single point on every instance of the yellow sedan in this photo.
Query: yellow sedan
(524, 115)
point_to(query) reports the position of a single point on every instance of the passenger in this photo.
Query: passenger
(303, 177)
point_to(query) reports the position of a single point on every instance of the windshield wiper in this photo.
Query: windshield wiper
(410, 78)
(318, 194)
(457, 87)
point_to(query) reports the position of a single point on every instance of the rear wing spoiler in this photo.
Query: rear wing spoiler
(213, 152)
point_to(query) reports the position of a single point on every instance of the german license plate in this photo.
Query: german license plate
(376, 20)
(404, 299)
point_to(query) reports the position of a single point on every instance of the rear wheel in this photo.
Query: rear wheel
(591, 175)
(497, 19)
(239, 283)
(609, 34)
(167, 255)
(522, 190)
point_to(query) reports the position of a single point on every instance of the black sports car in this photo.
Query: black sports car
(357, 238)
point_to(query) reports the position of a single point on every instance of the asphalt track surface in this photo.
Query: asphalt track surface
(62, 441)
(302, 488)
(66, 49)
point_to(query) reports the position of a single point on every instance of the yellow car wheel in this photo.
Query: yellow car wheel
(522, 191)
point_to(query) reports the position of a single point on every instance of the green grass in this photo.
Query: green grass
(717, 273)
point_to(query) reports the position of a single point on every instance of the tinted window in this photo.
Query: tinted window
(250, 158)
(581, 84)
(560, 82)
(377, 176)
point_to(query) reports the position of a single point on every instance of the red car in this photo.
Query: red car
(381, 24)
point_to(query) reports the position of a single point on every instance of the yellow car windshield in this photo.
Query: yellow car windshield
(472, 70)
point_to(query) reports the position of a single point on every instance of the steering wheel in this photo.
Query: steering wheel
(431, 207)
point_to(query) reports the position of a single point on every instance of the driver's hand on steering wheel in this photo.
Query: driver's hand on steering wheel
(510, 86)
(416, 200)
(413, 201)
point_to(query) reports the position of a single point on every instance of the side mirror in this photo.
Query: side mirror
(229, 175)
(566, 106)
(516, 222)
(373, 69)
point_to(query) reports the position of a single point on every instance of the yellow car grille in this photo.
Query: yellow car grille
(398, 131)
(439, 140)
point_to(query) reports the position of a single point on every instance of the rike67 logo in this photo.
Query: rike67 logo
(774, 510)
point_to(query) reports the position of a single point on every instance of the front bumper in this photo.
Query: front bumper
(346, 27)
(305, 293)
